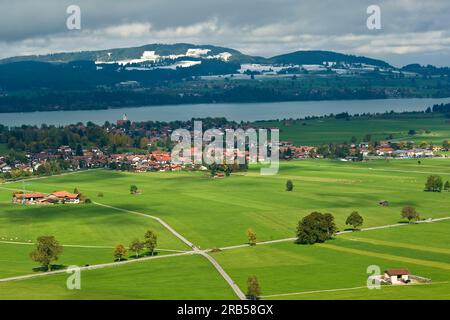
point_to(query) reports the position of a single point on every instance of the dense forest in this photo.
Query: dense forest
(37, 86)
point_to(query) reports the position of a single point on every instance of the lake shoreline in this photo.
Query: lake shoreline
(215, 103)
(255, 111)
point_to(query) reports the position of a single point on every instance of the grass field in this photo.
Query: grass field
(189, 277)
(217, 212)
(432, 129)
(307, 270)
(198, 206)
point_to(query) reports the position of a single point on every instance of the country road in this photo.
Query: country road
(161, 221)
(338, 233)
(195, 249)
(96, 266)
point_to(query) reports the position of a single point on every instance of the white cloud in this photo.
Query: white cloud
(127, 30)
(263, 27)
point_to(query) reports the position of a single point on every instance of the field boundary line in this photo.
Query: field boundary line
(403, 171)
(96, 266)
(346, 289)
(401, 245)
(387, 256)
(244, 245)
(161, 221)
(83, 246)
(51, 176)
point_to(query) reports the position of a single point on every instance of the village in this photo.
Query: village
(154, 151)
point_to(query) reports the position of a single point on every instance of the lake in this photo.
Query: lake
(232, 111)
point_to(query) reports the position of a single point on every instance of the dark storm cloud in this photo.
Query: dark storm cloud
(412, 30)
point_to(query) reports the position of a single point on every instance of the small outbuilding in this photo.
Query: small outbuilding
(384, 203)
(397, 276)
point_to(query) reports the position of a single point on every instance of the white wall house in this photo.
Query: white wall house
(397, 276)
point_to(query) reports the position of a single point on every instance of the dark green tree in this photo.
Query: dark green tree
(151, 241)
(316, 228)
(447, 186)
(289, 185)
(434, 184)
(446, 145)
(133, 189)
(79, 150)
(355, 220)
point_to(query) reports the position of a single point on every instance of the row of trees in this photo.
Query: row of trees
(436, 184)
(137, 246)
(317, 227)
(48, 249)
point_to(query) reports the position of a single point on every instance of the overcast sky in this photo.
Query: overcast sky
(412, 30)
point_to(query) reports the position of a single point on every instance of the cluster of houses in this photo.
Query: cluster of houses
(392, 149)
(91, 158)
(4, 167)
(289, 151)
(94, 157)
(154, 161)
(37, 198)
(363, 150)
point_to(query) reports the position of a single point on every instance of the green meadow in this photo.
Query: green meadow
(217, 212)
(184, 277)
(428, 128)
(338, 269)
(214, 213)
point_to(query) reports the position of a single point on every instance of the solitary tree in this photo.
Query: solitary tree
(434, 184)
(355, 220)
(150, 241)
(79, 150)
(251, 235)
(289, 185)
(316, 227)
(446, 145)
(253, 288)
(447, 186)
(47, 250)
(137, 247)
(410, 213)
(119, 252)
(133, 189)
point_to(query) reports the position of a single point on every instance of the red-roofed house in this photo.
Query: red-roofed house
(65, 197)
(397, 276)
(28, 198)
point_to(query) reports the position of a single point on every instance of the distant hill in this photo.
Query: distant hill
(319, 57)
(119, 54)
(180, 50)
